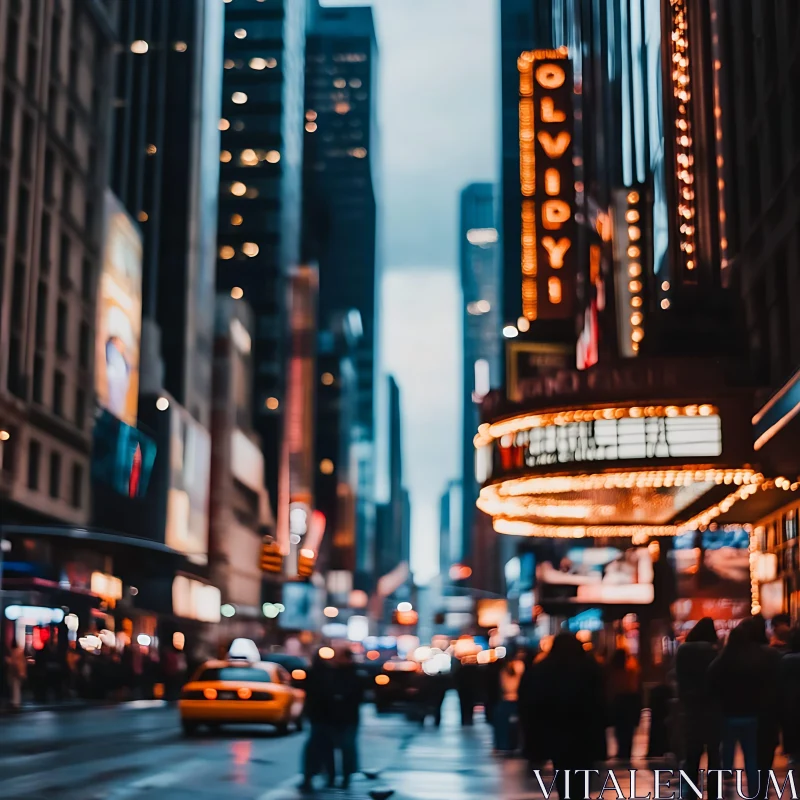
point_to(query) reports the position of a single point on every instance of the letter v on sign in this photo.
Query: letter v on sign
(554, 147)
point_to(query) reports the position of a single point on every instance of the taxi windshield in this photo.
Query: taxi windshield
(235, 675)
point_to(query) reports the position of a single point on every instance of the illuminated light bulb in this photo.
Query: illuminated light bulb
(637, 318)
(634, 252)
(272, 157)
(633, 197)
(180, 47)
(510, 332)
(637, 334)
(250, 249)
(311, 127)
(225, 156)
(634, 233)
(240, 98)
(635, 286)
(226, 252)
(665, 304)
(272, 403)
(311, 115)
(523, 325)
(162, 404)
(257, 63)
(238, 189)
(228, 63)
(142, 216)
(326, 466)
(240, 33)
(237, 293)
(236, 219)
(632, 215)
(139, 46)
(634, 269)
(223, 124)
(636, 301)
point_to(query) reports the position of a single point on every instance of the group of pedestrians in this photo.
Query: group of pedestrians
(334, 693)
(53, 673)
(746, 692)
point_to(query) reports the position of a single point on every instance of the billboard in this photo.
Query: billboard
(597, 576)
(119, 315)
(122, 456)
(189, 476)
(713, 564)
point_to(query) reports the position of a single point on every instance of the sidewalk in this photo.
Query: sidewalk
(76, 704)
(455, 763)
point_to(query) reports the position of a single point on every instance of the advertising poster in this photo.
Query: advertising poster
(119, 315)
(597, 575)
(190, 469)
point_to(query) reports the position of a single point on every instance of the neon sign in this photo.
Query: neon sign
(546, 183)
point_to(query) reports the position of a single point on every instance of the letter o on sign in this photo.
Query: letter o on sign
(551, 76)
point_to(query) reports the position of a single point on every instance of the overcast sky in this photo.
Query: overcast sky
(439, 123)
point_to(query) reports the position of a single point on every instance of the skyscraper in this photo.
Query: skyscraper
(339, 164)
(481, 287)
(260, 189)
(55, 92)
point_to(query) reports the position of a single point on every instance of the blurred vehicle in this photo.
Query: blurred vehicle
(367, 671)
(237, 692)
(396, 686)
(296, 666)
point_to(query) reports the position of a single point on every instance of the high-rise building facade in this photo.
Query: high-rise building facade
(481, 288)
(260, 190)
(55, 92)
(340, 177)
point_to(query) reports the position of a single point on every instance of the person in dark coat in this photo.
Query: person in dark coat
(624, 700)
(318, 753)
(565, 695)
(769, 725)
(699, 718)
(346, 696)
(781, 633)
(736, 684)
(467, 678)
(531, 748)
(790, 699)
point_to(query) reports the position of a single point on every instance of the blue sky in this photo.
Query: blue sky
(439, 124)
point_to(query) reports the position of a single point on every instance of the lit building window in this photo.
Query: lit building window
(229, 64)
(225, 156)
(342, 108)
(180, 47)
(250, 249)
(224, 124)
(326, 466)
(151, 149)
(355, 83)
(311, 115)
(236, 219)
(240, 33)
(359, 152)
(340, 83)
(142, 216)
(251, 193)
(271, 403)
(272, 63)
(140, 47)
(237, 293)
(240, 98)
(273, 157)
(311, 127)
(257, 63)
(226, 252)
(327, 379)
(248, 158)
(238, 189)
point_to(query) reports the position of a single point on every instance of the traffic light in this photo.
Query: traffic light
(271, 558)
(305, 563)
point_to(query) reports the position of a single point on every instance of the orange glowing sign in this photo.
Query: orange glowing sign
(546, 183)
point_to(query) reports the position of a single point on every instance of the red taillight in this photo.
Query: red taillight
(244, 694)
(210, 694)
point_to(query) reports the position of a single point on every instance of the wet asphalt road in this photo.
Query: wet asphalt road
(138, 750)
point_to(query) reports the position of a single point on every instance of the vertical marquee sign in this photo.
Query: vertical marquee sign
(547, 184)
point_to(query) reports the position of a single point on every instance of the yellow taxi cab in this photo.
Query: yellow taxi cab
(241, 692)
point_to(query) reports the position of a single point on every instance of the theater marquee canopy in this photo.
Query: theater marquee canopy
(633, 469)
